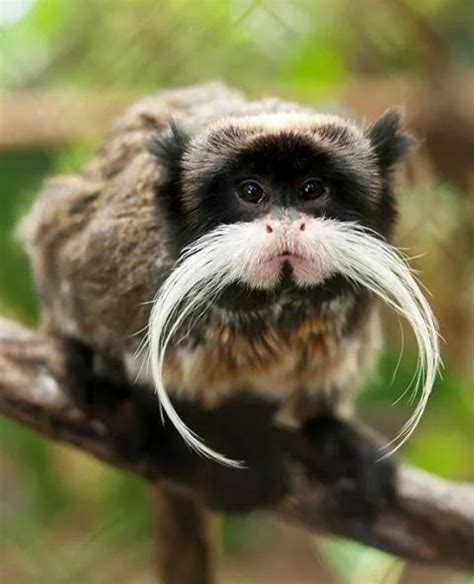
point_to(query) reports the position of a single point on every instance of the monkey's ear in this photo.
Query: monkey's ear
(170, 145)
(389, 141)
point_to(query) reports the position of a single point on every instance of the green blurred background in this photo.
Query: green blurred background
(68, 67)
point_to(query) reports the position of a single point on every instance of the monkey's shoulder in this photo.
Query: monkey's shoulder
(98, 252)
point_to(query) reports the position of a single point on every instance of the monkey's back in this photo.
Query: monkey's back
(96, 240)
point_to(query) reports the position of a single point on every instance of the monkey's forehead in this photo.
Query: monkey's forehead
(239, 131)
(299, 121)
(233, 135)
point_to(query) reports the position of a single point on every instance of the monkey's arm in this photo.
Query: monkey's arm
(433, 520)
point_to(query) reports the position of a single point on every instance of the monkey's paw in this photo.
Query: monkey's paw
(339, 453)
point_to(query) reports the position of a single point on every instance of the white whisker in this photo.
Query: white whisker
(380, 268)
(200, 274)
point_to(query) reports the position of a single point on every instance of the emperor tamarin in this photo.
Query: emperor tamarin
(216, 244)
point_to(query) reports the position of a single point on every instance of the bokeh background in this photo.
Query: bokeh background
(67, 68)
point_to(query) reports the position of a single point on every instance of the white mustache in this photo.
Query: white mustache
(230, 252)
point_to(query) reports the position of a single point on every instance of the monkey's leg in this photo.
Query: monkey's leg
(187, 538)
(101, 389)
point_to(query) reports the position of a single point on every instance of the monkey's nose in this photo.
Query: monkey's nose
(270, 226)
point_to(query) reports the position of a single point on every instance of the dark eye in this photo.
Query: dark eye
(312, 189)
(251, 192)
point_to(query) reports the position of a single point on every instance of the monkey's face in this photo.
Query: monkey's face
(274, 178)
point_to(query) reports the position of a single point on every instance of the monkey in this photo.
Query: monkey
(216, 244)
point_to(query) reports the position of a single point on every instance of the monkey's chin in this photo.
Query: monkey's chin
(302, 272)
(286, 269)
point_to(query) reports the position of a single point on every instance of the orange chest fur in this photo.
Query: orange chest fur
(274, 361)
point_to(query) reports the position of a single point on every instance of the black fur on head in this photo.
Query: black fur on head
(201, 173)
(169, 147)
(389, 141)
(390, 145)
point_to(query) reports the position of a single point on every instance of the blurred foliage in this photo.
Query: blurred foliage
(66, 518)
(146, 44)
(354, 563)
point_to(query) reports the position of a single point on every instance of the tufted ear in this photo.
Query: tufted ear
(170, 145)
(389, 141)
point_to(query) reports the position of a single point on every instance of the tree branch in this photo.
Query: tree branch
(431, 520)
